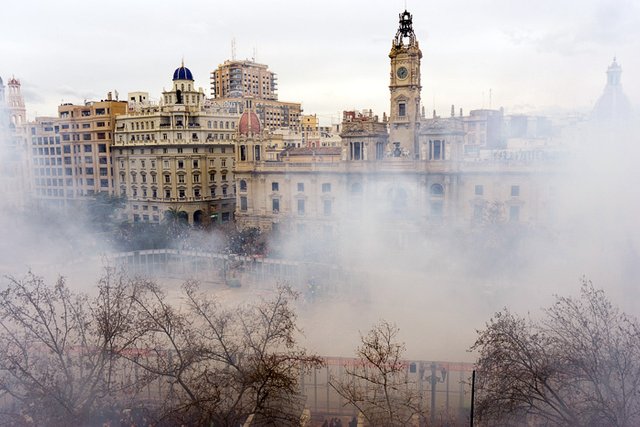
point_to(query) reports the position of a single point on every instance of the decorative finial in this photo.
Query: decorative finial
(182, 61)
(405, 29)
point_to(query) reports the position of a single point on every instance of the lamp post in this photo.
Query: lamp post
(435, 378)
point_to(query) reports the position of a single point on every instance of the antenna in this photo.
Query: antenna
(254, 55)
(490, 96)
(233, 49)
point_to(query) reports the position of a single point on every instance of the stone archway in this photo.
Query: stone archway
(198, 217)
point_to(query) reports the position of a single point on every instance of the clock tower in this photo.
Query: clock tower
(404, 116)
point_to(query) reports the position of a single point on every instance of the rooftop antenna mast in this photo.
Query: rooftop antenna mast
(233, 49)
(254, 55)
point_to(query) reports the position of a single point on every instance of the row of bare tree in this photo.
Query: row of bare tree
(132, 356)
(67, 359)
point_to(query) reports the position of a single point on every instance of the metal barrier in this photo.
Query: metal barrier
(444, 386)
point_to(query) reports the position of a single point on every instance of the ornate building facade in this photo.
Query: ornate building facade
(405, 171)
(176, 156)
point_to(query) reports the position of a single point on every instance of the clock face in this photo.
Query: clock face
(402, 73)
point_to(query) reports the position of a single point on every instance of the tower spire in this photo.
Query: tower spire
(405, 30)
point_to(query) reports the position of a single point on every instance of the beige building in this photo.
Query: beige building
(176, 157)
(273, 114)
(309, 134)
(70, 155)
(233, 81)
(240, 79)
(313, 135)
(410, 170)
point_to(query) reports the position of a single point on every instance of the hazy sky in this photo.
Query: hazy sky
(330, 55)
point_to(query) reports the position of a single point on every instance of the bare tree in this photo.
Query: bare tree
(221, 366)
(58, 350)
(378, 386)
(67, 359)
(579, 365)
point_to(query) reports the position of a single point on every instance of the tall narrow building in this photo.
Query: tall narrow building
(13, 171)
(15, 103)
(404, 113)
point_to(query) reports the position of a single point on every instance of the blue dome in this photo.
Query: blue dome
(182, 73)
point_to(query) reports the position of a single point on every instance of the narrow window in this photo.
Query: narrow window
(327, 207)
(402, 109)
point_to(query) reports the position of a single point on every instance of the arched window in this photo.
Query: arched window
(243, 185)
(437, 190)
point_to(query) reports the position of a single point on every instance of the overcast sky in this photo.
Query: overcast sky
(329, 55)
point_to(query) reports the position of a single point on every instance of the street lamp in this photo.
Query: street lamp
(435, 378)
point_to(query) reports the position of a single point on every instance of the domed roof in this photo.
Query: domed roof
(182, 73)
(249, 123)
(613, 104)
